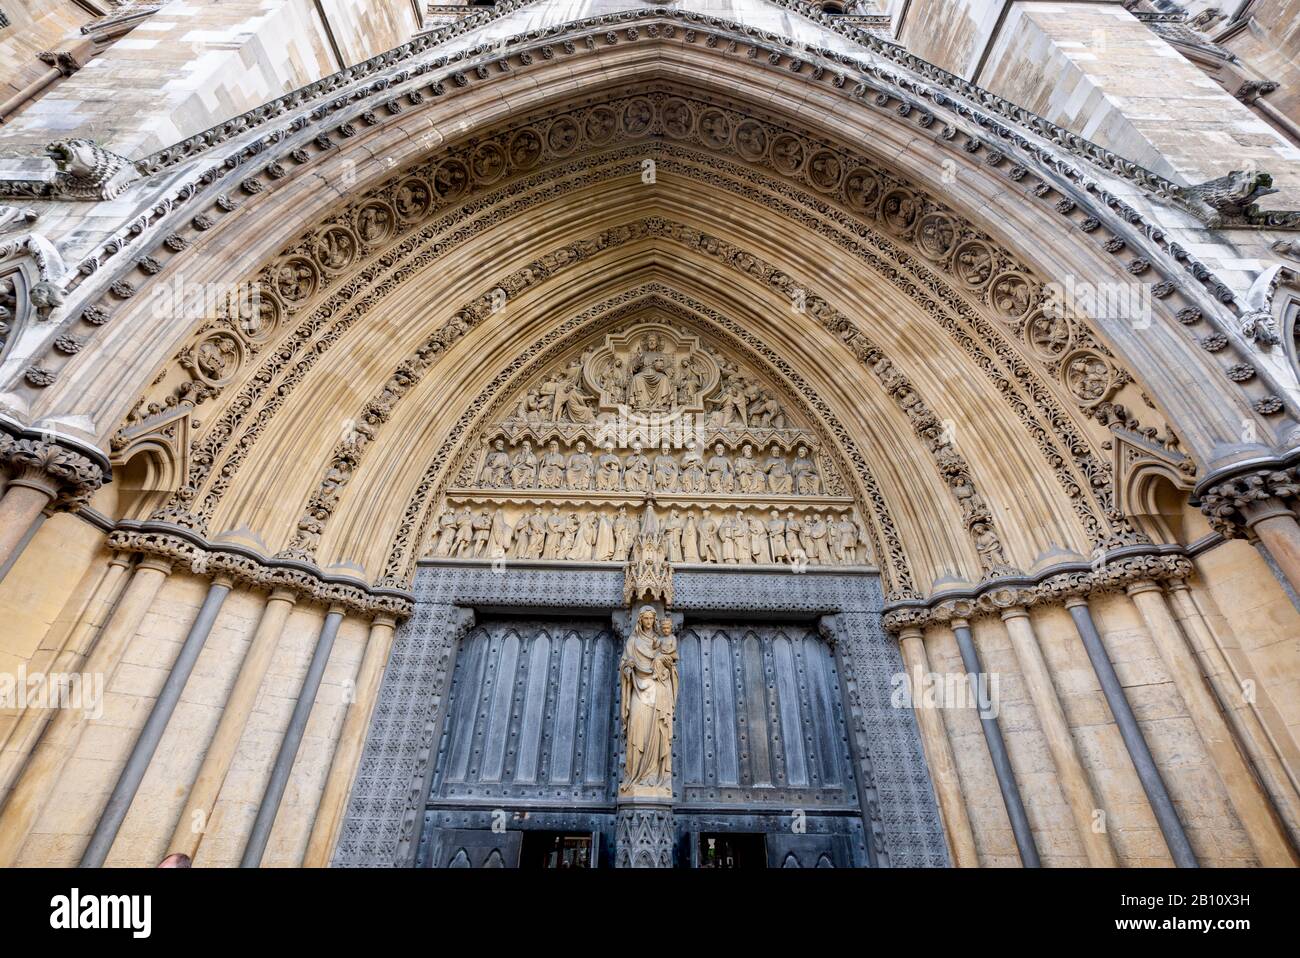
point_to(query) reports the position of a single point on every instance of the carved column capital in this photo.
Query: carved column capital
(52, 469)
(1237, 504)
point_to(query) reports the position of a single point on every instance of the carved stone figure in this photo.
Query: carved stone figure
(727, 539)
(482, 524)
(806, 480)
(665, 472)
(674, 527)
(818, 532)
(692, 475)
(585, 546)
(499, 540)
(748, 478)
(636, 476)
(464, 534)
(622, 535)
(605, 540)
(648, 685)
(536, 535)
(793, 538)
(710, 546)
(609, 472)
(523, 470)
(779, 480)
(556, 525)
(651, 387)
(759, 550)
(776, 538)
(690, 540)
(581, 469)
(721, 477)
(446, 535)
(496, 466)
(552, 472)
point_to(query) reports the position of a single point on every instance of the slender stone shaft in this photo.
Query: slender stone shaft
(279, 779)
(938, 753)
(193, 822)
(1278, 530)
(146, 743)
(329, 814)
(1060, 742)
(1253, 810)
(1154, 786)
(20, 513)
(998, 752)
(41, 773)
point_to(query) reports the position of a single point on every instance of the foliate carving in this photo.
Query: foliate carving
(648, 575)
(1110, 574)
(56, 470)
(1227, 504)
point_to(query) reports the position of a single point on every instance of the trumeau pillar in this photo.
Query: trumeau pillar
(41, 774)
(1077, 789)
(1171, 826)
(1266, 835)
(938, 752)
(197, 814)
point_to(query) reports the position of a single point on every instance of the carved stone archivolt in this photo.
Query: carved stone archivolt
(862, 188)
(382, 217)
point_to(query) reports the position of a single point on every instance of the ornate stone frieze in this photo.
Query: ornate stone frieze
(991, 597)
(644, 836)
(179, 545)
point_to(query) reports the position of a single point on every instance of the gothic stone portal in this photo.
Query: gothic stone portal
(783, 733)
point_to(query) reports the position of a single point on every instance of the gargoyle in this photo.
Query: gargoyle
(87, 171)
(1226, 199)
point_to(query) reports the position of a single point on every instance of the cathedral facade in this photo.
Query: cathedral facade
(650, 433)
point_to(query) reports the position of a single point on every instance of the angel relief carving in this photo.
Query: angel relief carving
(649, 419)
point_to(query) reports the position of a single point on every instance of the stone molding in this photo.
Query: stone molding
(244, 566)
(1115, 571)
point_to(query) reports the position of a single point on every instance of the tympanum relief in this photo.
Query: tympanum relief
(648, 423)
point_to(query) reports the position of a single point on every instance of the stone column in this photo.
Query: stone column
(1276, 527)
(38, 471)
(1249, 726)
(329, 815)
(41, 773)
(25, 496)
(1265, 832)
(284, 759)
(1060, 742)
(938, 752)
(1171, 826)
(71, 652)
(194, 820)
(146, 743)
(998, 753)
